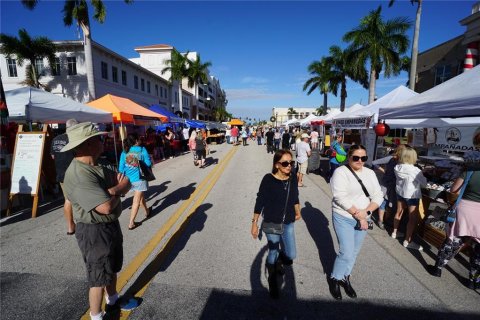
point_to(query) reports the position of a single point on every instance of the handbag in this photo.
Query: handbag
(277, 228)
(146, 172)
(451, 214)
(370, 223)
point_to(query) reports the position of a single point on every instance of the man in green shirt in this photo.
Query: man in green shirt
(94, 190)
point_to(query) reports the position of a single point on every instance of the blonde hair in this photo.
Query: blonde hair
(408, 155)
(399, 150)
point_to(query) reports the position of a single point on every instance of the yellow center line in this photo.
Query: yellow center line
(147, 250)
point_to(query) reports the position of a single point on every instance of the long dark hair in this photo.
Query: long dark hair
(129, 142)
(277, 156)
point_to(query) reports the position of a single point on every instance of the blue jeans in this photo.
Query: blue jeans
(259, 140)
(288, 243)
(350, 242)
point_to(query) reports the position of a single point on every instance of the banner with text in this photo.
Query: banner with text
(456, 139)
(355, 123)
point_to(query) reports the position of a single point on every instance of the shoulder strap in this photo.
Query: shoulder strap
(359, 181)
(286, 201)
(462, 190)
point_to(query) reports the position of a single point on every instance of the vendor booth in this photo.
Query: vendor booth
(171, 117)
(447, 117)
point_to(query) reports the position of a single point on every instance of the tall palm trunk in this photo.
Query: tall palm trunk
(343, 96)
(371, 85)
(87, 39)
(413, 65)
(34, 74)
(325, 101)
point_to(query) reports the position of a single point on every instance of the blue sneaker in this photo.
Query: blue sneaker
(128, 304)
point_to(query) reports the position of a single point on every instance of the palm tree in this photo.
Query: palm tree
(416, 34)
(291, 112)
(380, 43)
(342, 67)
(26, 48)
(197, 73)
(322, 74)
(78, 10)
(177, 65)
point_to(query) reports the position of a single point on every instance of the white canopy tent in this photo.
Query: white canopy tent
(455, 98)
(393, 98)
(291, 122)
(349, 110)
(307, 120)
(34, 105)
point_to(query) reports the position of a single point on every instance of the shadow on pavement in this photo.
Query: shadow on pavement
(182, 193)
(225, 304)
(43, 208)
(173, 247)
(317, 225)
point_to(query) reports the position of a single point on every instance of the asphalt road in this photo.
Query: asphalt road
(195, 258)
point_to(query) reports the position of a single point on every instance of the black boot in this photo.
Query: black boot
(334, 286)
(434, 271)
(345, 283)
(285, 260)
(272, 281)
(279, 267)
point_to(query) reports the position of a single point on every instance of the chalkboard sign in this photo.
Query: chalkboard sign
(27, 163)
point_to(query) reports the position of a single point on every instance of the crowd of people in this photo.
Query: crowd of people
(92, 189)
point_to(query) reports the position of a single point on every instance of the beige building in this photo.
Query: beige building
(283, 114)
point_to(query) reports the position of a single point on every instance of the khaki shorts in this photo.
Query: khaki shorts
(63, 190)
(302, 167)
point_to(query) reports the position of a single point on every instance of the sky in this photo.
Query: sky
(259, 50)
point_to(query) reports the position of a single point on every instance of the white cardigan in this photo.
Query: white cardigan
(348, 192)
(409, 181)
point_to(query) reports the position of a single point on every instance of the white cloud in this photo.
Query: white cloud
(254, 80)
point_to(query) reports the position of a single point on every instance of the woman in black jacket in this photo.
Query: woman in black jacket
(278, 201)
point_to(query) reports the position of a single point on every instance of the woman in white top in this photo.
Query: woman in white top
(351, 210)
(409, 179)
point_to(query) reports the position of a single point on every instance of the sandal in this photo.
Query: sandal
(71, 233)
(135, 224)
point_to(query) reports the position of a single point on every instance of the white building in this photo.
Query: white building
(282, 114)
(140, 81)
(205, 97)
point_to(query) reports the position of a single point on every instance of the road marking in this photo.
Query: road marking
(127, 273)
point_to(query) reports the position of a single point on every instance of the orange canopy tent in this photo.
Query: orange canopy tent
(125, 110)
(236, 122)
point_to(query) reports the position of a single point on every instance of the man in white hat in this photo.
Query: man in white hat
(303, 153)
(94, 191)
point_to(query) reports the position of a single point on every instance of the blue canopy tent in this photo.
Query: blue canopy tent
(172, 117)
(195, 124)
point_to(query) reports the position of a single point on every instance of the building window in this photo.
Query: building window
(114, 74)
(148, 86)
(12, 68)
(165, 93)
(176, 96)
(142, 84)
(442, 74)
(124, 77)
(72, 66)
(56, 67)
(39, 68)
(135, 82)
(104, 70)
(156, 90)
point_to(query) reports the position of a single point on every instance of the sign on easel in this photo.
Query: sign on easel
(26, 166)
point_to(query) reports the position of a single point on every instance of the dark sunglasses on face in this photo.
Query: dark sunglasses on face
(287, 163)
(356, 158)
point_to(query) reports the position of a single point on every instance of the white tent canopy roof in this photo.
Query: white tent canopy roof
(35, 105)
(308, 119)
(333, 112)
(348, 111)
(457, 97)
(391, 99)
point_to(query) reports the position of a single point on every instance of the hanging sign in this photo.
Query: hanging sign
(456, 138)
(355, 123)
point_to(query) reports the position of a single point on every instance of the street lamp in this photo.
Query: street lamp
(276, 119)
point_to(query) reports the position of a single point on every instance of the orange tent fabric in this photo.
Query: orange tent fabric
(236, 122)
(125, 110)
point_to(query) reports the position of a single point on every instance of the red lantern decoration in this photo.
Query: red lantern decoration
(382, 129)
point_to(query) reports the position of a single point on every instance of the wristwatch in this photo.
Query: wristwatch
(369, 213)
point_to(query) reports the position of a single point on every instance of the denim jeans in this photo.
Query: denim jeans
(259, 140)
(288, 243)
(350, 242)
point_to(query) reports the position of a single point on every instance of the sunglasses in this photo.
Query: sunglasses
(287, 163)
(356, 158)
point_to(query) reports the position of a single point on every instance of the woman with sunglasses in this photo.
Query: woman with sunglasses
(133, 152)
(277, 200)
(351, 210)
(409, 180)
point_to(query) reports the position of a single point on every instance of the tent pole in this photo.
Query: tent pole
(115, 143)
